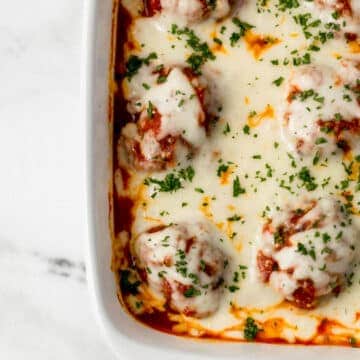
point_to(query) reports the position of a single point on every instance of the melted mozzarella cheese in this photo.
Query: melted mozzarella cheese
(175, 100)
(149, 146)
(194, 10)
(355, 5)
(180, 108)
(135, 91)
(246, 168)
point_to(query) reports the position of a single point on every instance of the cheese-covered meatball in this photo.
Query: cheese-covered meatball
(190, 10)
(181, 265)
(171, 123)
(322, 109)
(343, 7)
(347, 13)
(306, 250)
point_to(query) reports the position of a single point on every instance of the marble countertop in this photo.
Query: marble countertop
(44, 302)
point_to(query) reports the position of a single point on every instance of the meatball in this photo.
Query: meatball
(190, 10)
(170, 118)
(322, 109)
(181, 264)
(306, 250)
(343, 7)
(348, 13)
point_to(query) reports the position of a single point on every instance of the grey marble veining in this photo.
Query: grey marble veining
(45, 306)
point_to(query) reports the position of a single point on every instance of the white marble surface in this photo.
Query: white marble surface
(45, 309)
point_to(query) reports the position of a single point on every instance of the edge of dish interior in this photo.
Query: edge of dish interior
(123, 333)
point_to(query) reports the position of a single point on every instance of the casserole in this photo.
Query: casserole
(127, 337)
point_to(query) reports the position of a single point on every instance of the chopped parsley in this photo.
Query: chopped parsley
(251, 329)
(288, 4)
(150, 110)
(181, 263)
(191, 292)
(278, 81)
(242, 28)
(320, 140)
(233, 288)
(301, 248)
(307, 179)
(237, 189)
(217, 41)
(234, 218)
(227, 129)
(352, 341)
(316, 158)
(199, 190)
(187, 174)
(202, 52)
(135, 62)
(161, 79)
(246, 129)
(172, 181)
(127, 285)
(279, 237)
(222, 169)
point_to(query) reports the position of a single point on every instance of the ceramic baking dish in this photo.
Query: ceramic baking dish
(128, 338)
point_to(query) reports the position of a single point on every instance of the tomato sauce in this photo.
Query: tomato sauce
(123, 214)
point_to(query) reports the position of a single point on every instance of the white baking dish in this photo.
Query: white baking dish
(128, 338)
